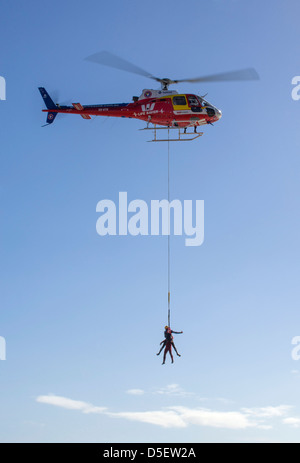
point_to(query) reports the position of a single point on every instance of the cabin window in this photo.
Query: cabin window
(179, 101)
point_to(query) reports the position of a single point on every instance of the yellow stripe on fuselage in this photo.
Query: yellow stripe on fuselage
(176, 107)
(180, 107)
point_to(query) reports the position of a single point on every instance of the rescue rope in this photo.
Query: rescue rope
(169, 218)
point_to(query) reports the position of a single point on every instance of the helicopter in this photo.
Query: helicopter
(159, 108)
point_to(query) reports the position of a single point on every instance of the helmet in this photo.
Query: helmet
(166, 327)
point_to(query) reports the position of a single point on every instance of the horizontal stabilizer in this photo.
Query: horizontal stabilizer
(78, 106)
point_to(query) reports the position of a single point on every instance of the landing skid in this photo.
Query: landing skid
(182, 135)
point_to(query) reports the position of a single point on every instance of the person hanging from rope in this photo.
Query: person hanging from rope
(168, 336)
(168, 343)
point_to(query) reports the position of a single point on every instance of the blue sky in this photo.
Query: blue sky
(83, 315)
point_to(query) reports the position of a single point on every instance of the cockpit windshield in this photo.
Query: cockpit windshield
(202, 101)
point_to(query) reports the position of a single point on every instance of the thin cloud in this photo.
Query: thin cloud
(216, 419)
(177, 391)
(182, 417)
(135, 392)
(292, 421)
(164, 418)
(70, 404)
(268, 412)
(173, 390)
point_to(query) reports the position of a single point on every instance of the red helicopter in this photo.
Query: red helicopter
(162, 107)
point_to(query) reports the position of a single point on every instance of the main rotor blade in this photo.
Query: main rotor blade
(109, 59)
(242, 74)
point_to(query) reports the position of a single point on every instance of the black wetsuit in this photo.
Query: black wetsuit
(169, 338)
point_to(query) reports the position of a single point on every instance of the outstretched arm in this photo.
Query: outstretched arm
(177, 332)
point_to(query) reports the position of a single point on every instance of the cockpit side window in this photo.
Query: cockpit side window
(179, 101)
(193, 101)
